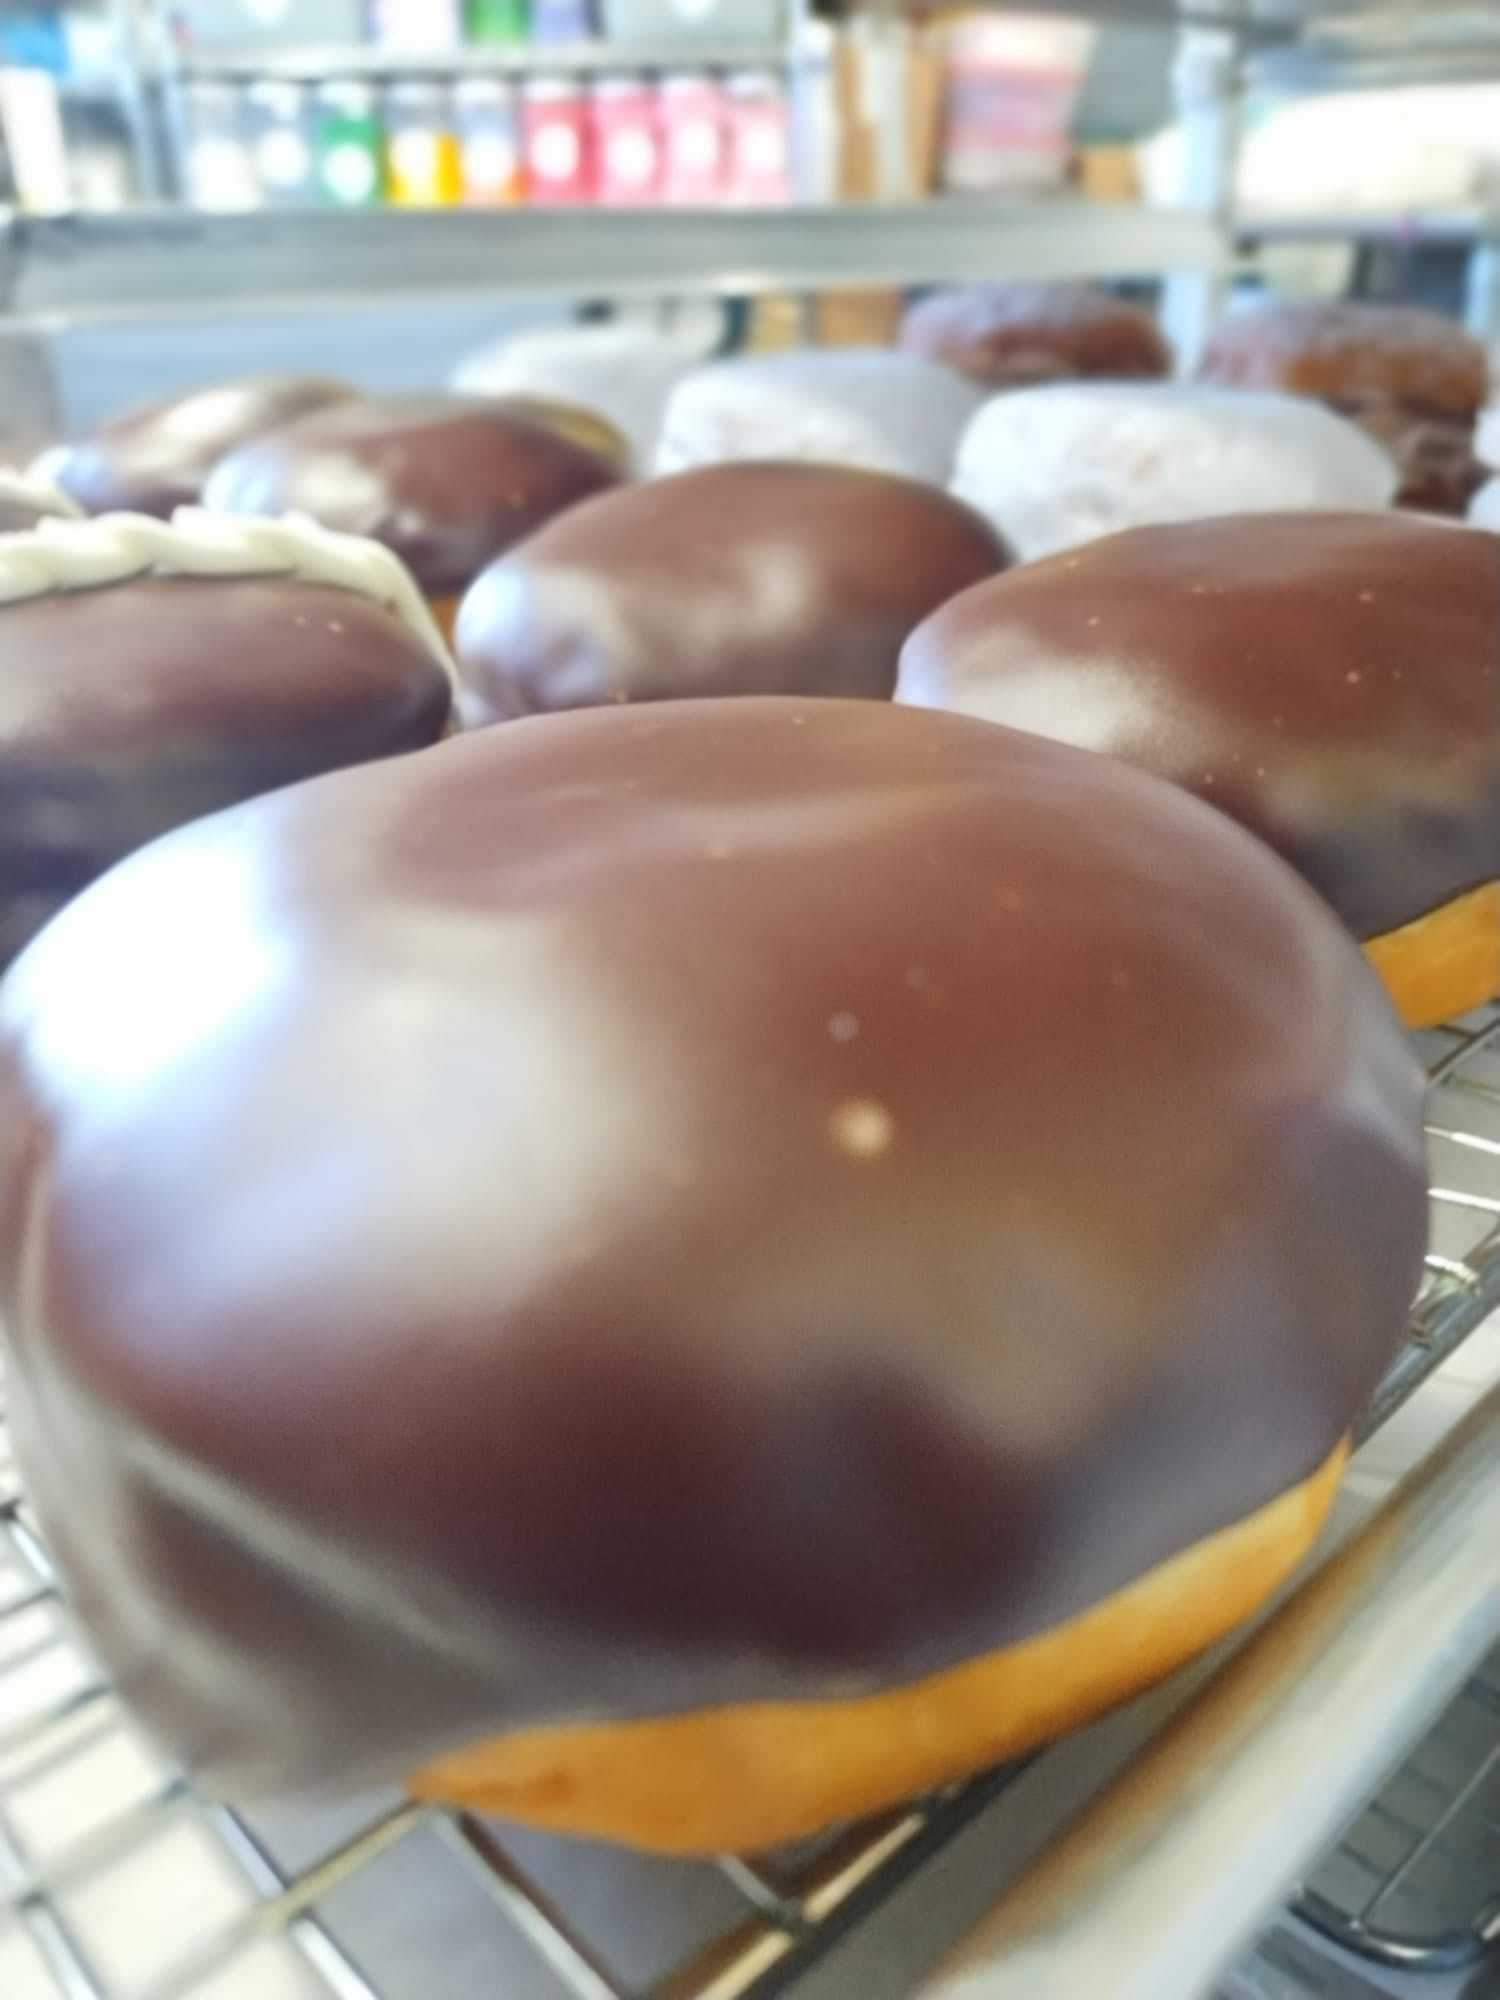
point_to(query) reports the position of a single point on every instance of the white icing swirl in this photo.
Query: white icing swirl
(32, 489)
(64, 555)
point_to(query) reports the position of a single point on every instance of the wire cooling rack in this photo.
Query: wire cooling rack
(1415, 1882)
(118, 1883)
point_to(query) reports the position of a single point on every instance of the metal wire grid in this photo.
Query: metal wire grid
(117, 1883)
(1415, 1882)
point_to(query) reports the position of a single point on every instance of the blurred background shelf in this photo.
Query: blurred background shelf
(317, 62)
(153, 259)
(1457, 227)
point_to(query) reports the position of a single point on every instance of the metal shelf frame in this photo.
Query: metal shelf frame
(1428, 1841)
(317, 63)
(1458, 227)
(101, 264)
(151, 260)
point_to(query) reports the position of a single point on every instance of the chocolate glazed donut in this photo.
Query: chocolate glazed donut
(1330, 681)
(736, 579)
(135, 705)
(682, 1273)
(155, 458)
(446, 482)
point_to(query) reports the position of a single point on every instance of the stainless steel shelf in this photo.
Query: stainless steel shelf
(315, 62)
(1316, 68)
(1296, 44)
(148, 260)
(1385, 43)
(1457, 226)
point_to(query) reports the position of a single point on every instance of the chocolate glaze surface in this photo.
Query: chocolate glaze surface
(156, 457)
(650, 1207)
(736, 579)
(1331, 681)
(125, 711)
(447, 482)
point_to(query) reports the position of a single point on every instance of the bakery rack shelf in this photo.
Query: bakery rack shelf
(1387, 42)
(1317, 68)
(117, 1883)
(319, 62)
(1459, 227)
(148, 260)
(1413, 1883)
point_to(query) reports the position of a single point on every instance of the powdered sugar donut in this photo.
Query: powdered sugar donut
(626, 373)
(1487, 436)
(1414, 380)
(1484, 508)
(1055, 466)
(860, 406)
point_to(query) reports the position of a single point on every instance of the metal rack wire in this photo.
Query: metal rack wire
(118, 1883)
(1415, 1882)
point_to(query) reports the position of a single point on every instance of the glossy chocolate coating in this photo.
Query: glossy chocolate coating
(649, 1207)
(736, 579)
(1330, 680)
(1011, 336)
(156, 457)
(127, 710)
(447, 482)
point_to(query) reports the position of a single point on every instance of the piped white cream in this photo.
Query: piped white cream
(66, 555)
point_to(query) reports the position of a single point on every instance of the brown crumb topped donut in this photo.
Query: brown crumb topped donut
(1335, 349)
(1331, 681)
(680, 1273)
(752, 578)
(152, 673)
(1011, 336)
(1415, 380)
(155, 458)
(446, 482)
